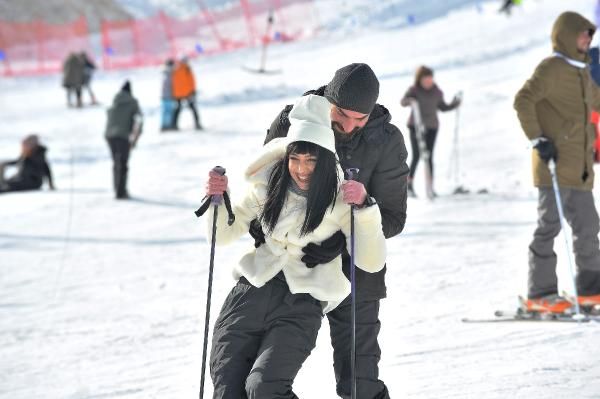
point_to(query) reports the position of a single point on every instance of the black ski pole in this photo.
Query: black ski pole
(215, 200)
(352, 172)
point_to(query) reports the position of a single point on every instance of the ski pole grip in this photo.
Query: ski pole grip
(352, 173)
(217, 199)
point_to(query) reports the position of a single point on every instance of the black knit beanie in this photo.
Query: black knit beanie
(126, 87)
(354, 87)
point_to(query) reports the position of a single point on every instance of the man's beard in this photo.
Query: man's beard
(340, 134)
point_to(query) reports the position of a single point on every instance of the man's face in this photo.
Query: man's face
(584, 40)
(347, 121)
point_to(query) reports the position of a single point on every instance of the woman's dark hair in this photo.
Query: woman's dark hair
(421, 72)
(322, 191)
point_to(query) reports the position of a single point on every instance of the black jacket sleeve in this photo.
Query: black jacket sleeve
(444, 106)
(388, 183)
(280, 126)
(48, 173)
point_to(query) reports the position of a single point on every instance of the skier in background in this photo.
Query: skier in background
(88, 71)
(430, 99)
(364, 139)
(507, 6)
(167, 103)
(32, 168)
(123, 129)
(594, 54)
(184, 89)
(553, 107)
(73, 77)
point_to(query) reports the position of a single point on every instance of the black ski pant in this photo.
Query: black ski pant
(430, 136)
(17, 184)
(368, 353)
(119, 149)
(191, 102)
(261, 338)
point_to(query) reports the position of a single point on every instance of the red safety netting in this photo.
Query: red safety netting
(243, 24)
(38, 47)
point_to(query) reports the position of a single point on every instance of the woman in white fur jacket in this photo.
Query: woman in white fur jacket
(268, 324)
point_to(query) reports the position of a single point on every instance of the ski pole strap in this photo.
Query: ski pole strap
(208, 200)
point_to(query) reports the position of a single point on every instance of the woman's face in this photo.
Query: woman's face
(301, 167)
(427, 82)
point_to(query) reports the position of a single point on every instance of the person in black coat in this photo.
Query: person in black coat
(365, 139)
(32, 168)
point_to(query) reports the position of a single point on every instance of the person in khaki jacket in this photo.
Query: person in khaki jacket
(554, 107)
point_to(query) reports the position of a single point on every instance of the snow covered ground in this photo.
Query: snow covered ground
(105, 299)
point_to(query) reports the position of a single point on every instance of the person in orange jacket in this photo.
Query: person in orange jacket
(184, 89)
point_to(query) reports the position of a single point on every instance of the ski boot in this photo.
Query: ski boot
(549, 304)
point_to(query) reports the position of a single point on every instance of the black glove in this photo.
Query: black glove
(546, 149)
(257, 233)
(327, 251)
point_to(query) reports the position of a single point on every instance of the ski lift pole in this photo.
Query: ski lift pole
(455, 155)
(265, 44)
(563, 226)
(352, 172)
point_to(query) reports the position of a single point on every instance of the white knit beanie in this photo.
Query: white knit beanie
(310, 120)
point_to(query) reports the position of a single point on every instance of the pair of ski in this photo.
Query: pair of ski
(587, 314)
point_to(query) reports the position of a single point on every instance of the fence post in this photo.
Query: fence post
(248, 14)
(39, 38)
(164, 20)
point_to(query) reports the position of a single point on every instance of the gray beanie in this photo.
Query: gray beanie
(354, 87)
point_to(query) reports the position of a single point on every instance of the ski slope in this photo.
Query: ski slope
(105, 299)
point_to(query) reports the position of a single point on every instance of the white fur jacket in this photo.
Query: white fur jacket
(283, 248)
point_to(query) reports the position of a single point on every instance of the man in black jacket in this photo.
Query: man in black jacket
(365, 139)
(123, 129)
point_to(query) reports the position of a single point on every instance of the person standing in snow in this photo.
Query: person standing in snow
(364, 139)
(430, 99)
(88, 71)
(184, 89)
(32, 168)
(167, 104)
(554, 108)
(594, 54)
(123, 129)
(73, 77)
(269, 322)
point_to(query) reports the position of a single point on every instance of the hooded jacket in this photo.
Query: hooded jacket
(282, 251)
(121, 116)
(378, 150)
(556, 103)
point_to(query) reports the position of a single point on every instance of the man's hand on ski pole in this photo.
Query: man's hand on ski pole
(545, 148)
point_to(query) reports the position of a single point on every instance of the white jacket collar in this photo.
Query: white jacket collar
(575, 63)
